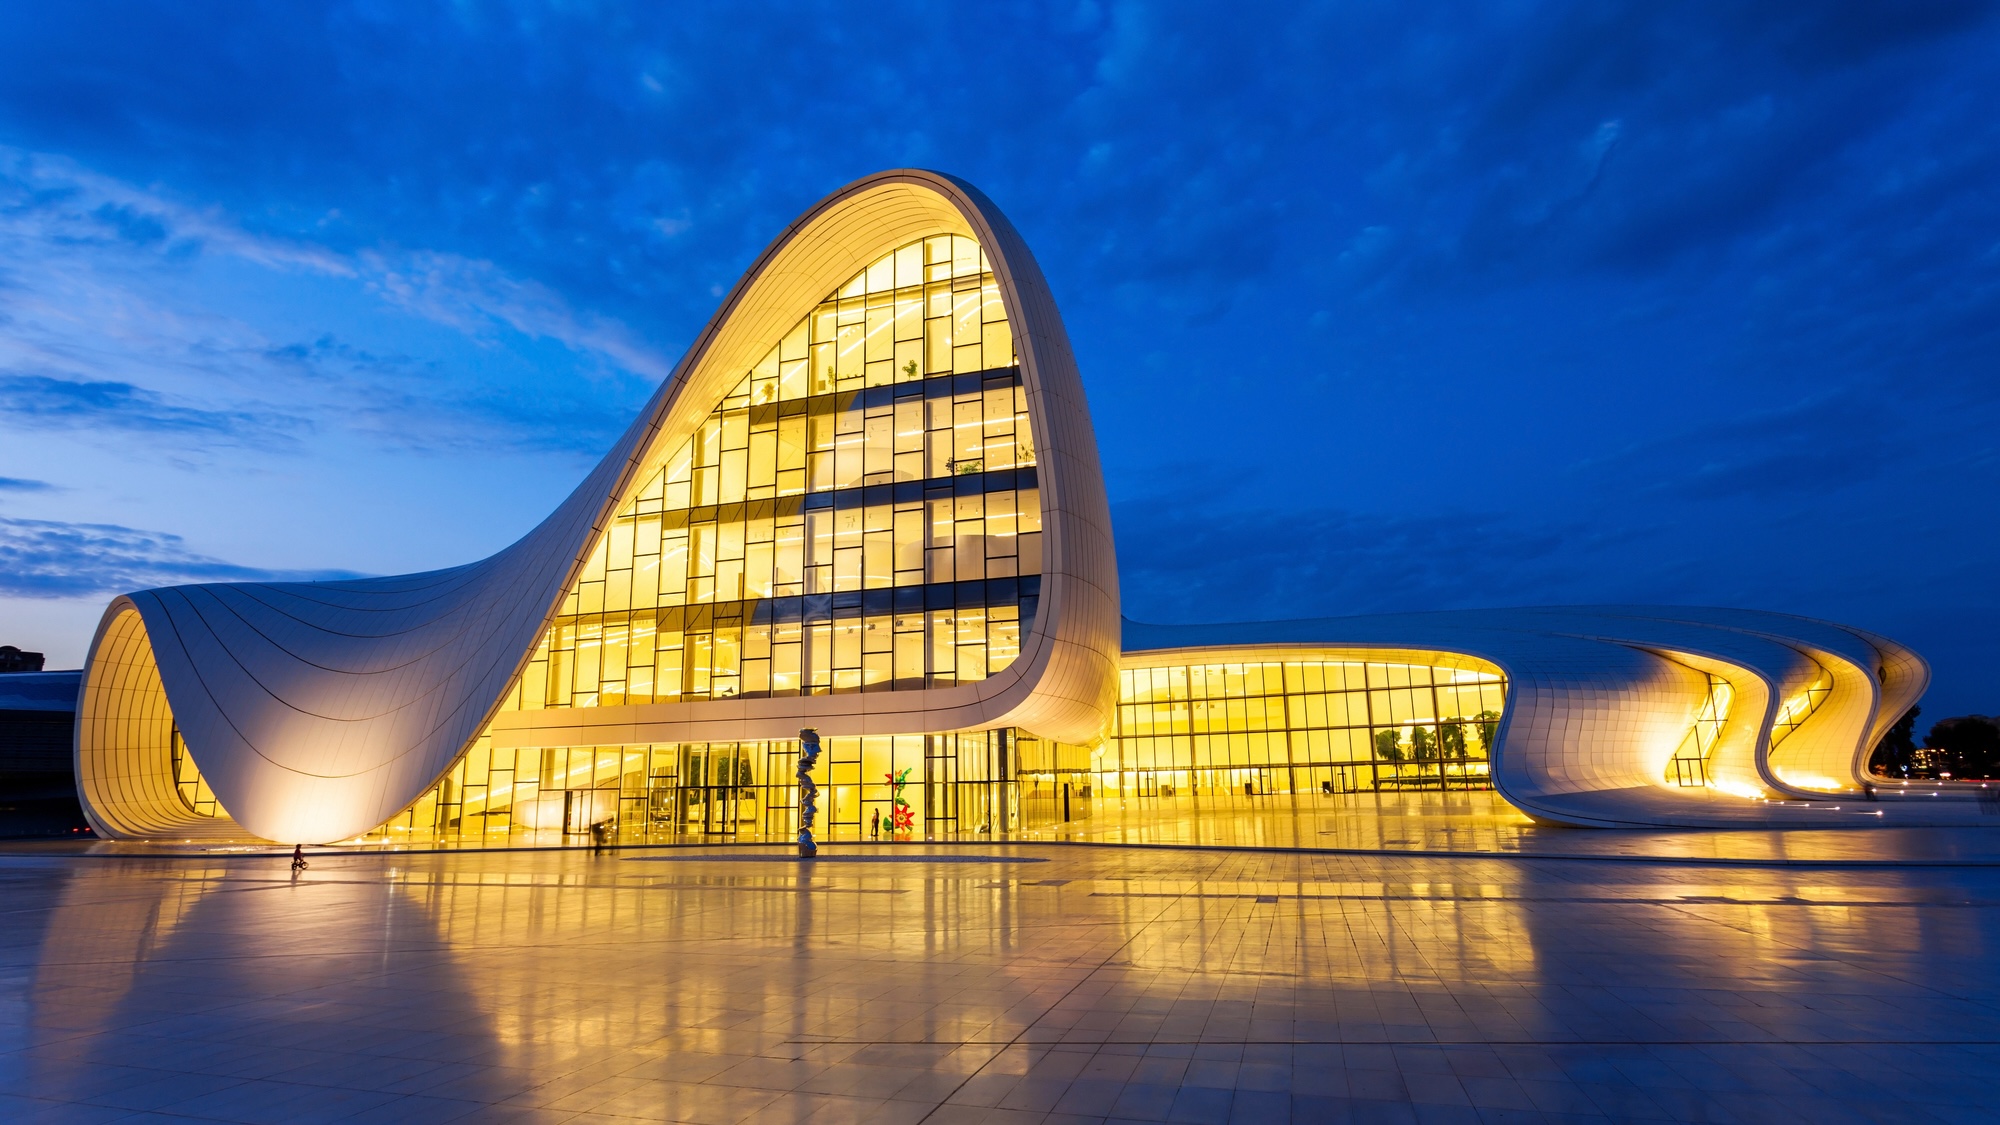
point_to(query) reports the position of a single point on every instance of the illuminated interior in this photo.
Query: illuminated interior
(860, 513)
(968, 782)
(1220, 732)
(1302, 726)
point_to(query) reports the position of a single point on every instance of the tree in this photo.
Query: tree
(1423, 743)
(1451, 739)
(1389, 745)
(1896, 755)
(1489, 730)
(1966, 747)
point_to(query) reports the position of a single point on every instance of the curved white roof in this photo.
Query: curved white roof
(316, 711)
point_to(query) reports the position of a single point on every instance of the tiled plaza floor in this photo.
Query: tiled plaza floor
(1012, 983)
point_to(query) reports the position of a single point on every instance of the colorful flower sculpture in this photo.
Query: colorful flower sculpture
(902, 818)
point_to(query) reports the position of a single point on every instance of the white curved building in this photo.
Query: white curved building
(868, 500)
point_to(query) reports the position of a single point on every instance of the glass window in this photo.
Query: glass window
(768, 501)
(1285, 727)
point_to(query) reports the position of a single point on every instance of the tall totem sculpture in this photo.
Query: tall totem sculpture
(808, 791)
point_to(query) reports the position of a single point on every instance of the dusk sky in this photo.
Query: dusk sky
(1380, 306)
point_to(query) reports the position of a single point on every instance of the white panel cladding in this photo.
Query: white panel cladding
(318, 710)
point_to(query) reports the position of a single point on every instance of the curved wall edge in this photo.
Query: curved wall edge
(122, 745)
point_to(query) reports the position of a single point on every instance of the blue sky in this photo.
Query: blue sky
(1380, 306)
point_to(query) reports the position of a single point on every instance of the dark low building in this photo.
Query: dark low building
(37, 756)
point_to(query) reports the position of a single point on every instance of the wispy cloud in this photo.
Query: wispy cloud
(22, 484)
(475, 296)
(62, 201)
(106, 324)
(42, 402)
(405, 401)
(54, 559)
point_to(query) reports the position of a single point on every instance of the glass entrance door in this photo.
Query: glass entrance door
(580, 811)
(718, 790)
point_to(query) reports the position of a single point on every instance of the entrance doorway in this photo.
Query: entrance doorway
(580, 811)
(718, 791)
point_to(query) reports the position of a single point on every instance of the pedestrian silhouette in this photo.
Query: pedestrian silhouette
(298, 857)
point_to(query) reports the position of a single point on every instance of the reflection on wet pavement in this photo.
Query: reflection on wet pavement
(1481, 821)
(1006, 983)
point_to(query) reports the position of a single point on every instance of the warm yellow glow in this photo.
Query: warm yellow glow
(1689, 764)
(1805, 780)
(1223, 731)
(1302, 726)
(723, 789)
(860, 513)
(1737, 789)
(188, 782)
(1798, 708)
(839, 465)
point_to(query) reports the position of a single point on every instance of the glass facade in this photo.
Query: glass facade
(860, 513)
(1301, 726)
(1689, 765)
(1221, 732)
(952, 783)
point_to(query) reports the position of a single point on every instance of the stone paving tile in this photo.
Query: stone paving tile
(1139, 985)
